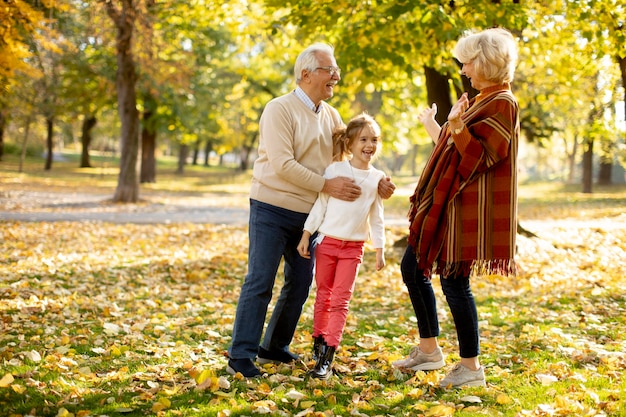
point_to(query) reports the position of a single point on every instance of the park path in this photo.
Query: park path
(55, 206)
(164, 208)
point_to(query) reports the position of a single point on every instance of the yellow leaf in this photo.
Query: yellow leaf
(161, 404)
(115, 351)
(415, 393)
(264, 406)
(170, 392)
(211, 383)
(431, 378)
(503, 399)
(203, 375)
(307, 404)
(440, 411)
(18, 388)
(418, 406)
(64, 413)
(6, 380)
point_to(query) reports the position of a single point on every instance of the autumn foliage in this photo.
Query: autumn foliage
(129, 319)
(112, 319)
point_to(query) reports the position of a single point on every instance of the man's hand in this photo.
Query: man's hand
(386, 188)
(342, 188)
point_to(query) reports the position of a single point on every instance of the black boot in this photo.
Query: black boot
(318, 344)
(323, 367)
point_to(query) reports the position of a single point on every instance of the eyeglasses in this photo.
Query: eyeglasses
(331, 70)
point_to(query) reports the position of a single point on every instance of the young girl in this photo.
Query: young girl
(342, 228)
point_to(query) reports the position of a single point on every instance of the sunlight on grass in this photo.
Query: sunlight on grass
(554, 200)
(129, 319)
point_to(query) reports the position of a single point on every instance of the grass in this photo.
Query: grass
(109, 319)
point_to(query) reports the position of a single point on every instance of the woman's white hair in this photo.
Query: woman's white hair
(308, 59)
(493, 53)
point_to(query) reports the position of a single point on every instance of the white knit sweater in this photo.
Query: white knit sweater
(356, 220)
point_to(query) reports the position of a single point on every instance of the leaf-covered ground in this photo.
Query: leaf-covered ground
(127, 319)
(123, 319)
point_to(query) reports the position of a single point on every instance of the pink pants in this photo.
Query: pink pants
(336, 267)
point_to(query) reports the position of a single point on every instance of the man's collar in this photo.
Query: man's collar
(307, 100)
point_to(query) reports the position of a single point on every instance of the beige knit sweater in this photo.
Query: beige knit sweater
(295, 147)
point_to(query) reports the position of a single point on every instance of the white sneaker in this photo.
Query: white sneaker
(420, 361)
(460, 376)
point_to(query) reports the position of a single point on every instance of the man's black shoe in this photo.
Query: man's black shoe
(244, 366)
(275, 356)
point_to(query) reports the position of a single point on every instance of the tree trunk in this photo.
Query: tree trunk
(25, 143)
(414, 153)
(196, 152)
(127, 184)
(148, 149)
(605, 173)
(622, 66)
(49, 143)
(85, 139)
(208, 148)
(149, 130)
(245, 155)
(438, 91)
(3, 122)
(571, 159)
(588, 167)
(182, 158)
(246, 150)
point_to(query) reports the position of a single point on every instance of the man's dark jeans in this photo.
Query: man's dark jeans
(274, 234)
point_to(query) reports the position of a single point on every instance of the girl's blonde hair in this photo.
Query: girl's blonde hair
(344, 136)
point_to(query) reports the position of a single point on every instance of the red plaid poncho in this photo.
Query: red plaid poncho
(463, 214)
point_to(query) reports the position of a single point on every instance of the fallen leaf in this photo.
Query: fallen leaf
(470, 399)
(546, 379)
(6, 380)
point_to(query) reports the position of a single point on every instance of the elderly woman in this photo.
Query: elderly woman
(463, 213)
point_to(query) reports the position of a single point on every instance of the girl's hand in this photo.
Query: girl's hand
(380, 259)
(303, 246)
(427, 118)
(427, 115)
